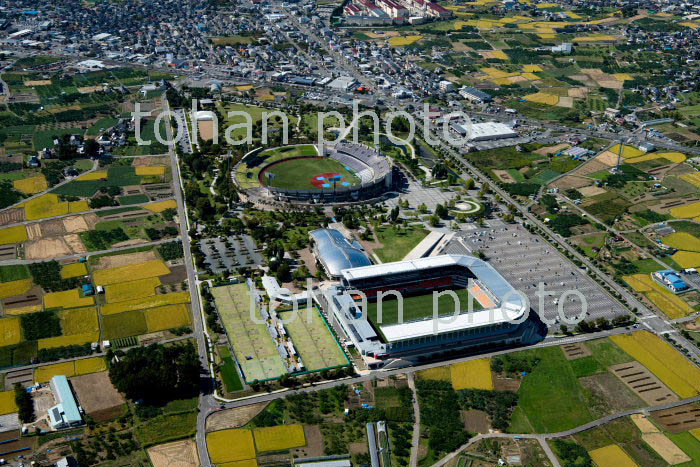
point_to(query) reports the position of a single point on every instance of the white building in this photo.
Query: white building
(484, 131)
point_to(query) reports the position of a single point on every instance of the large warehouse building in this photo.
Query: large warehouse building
(484, 131)
(499, 315)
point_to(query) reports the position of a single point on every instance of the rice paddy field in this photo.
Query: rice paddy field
(131, 290)
(12, 288)
(7, 402)
(672, 368)
(473, 374)
(612, 455)
(130, 272)
(74, 270)
(69, 369)
(313, 339)
(670, 304)
(16, 234)
(146, 302)
(233, 445)
(31, 185)
(252, 344)
(67, 299)
(279, 438)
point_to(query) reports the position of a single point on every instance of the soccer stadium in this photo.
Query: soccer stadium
(345, 172)
(497, 316)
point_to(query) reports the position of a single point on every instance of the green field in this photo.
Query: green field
(13, 273)
(313, 340)
(301, 173)
(229, 374)
(129, 323)
(116, 176)
(397, 244)
(418, 307)
(252, 343)
(166, 428)
(133, 199)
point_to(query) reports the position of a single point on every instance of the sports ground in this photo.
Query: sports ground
(419, 307)
(314, 342)
(252, 344)
(308, 173)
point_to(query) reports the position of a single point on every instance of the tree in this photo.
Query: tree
(25, 404)
(441, 211)
(434, 221)
(157, 374)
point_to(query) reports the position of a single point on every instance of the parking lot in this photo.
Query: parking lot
(417, 195)
(526, 260)
(240, 252)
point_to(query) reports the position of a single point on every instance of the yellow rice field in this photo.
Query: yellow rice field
(682, 241)
(67, 299)
(499, 54)
(23, 310)
(687, 259)
(279, 438)
(96, 175)
(73, 270)
(687, 211)
(230, 445)
(695, 432)
(473, 374)
(681, 376)
(12, 288)
(150, 170)
(10, 331)
(675, 157)
(692, 178)
(161, 206)
(542, 98)
(131, 272)
(7, 402)
(167, 317)
(78, 206)
(440, 373)
(623, 77)
(80, 321)
(400, 41)
(147, 302)
(62, 341)
(31, 185)
(628, 152)
(244, 463)
(16, 234)
(69, 369)
(670, 304)
(596, 38)
(44, 206)
(532, 68)
(124, 291)
(612, 455)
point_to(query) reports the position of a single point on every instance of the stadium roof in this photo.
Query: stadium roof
(337, 253)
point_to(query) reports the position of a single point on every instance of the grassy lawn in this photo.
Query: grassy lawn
(301, 174)
(101, 125)
(116, 176)
(133, 199)
(229, 374)
(551, 397)
(607, 353)
(418, 307)
(397, 244)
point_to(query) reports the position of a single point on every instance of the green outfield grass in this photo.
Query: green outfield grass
(418, 307)
(300, 173)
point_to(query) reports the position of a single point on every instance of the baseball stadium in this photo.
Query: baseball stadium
(299, 174)
(489, 313)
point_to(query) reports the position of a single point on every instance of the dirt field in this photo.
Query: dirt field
(52, 227)
(148, 161)
(107, 262)
(34, 231)
(644, 383)
(314, 442)
(206, 130)
(589, 191)
(608, 158)
(505, 384)
(38, 82)
(676, 420)
(89, 89)
(104, 404)
(32, 297)
(504, 176)
(21, 443)
(578, 92)
(48, 248)
(567, 102)
(643, 423)
(76, 224)
(571, 181)
(11, 216)
(576, 350)
(178, 454)
(611, 390)
(23, 377)
(475, 421)
(552, 149)
(8, 252)
(234, 418)
(665, 448)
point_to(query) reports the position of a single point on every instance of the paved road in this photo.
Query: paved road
(199, 331)
(542, 437)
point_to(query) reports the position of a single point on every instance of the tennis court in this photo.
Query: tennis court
(313, 340)
(252, 344)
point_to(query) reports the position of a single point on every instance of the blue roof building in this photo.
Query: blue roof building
(671, 279)
(66, 412)
(88, 289)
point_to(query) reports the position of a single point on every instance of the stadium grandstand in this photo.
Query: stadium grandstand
(335, 252)
(403, 331)
(375, 174)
